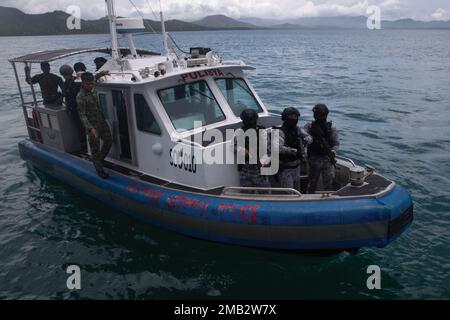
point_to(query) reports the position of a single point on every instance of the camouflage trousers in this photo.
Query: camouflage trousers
(250, 177)
(290, 178)
(320, 166)
(104, 136)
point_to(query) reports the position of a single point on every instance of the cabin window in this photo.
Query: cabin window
(238, 95)
(191, 102)
(103, 104)
(144, 117)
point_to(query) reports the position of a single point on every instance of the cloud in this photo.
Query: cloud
(391, 4)
(279, 9)
(309, 9)
(440, 15)
(273, 9)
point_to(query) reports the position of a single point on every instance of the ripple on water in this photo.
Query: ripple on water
(366, 117)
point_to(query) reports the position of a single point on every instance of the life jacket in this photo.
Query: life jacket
(247, 146)
(291, 140)
(317, 148)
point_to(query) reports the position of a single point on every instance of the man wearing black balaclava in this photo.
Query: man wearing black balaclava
(99, 63)
(322, 152)
(248, 142)
(291, 148)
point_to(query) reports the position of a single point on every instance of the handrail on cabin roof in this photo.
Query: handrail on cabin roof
(52, 55)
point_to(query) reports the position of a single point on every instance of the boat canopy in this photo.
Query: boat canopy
(52, 55)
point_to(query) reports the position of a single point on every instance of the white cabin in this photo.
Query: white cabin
(152, 103)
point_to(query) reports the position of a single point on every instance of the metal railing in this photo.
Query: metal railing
(346, 159)
(32, 121)
(261, 192)
(123, 74)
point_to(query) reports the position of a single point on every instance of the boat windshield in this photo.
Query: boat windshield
(190, 102)
(238, 95)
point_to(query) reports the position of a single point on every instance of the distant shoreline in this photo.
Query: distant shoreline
(16, 23)
(255, 29)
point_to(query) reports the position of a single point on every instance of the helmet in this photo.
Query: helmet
(320, 111)
(249, 117)
(289, 111)
(66, 70)
(79, 67)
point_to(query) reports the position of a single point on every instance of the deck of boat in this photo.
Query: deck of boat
(374, 184)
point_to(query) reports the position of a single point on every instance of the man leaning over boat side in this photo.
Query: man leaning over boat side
(248, 152)
(99, 63)
(80, 68)
(322, 152)
(94, 122)
(48, 82)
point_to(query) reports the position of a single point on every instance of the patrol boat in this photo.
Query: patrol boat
(151, 103)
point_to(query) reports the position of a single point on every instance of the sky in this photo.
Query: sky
(190, 10)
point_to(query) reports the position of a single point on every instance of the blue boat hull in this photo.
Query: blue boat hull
(293, 225)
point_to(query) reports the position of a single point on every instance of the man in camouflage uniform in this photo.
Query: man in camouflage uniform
(94, 122)
(291, 148)
(250, 171)
(322, 151)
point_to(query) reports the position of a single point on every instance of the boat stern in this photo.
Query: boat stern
(401, 207)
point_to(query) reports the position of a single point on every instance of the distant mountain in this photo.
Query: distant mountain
(288, 26)
(413, 24)
(272, 23)
(260, 22)
(14, 22)
(223, 22)
(358, 22)
(173, 25)
(361, 23)
(319, 22)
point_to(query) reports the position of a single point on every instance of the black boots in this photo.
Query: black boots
(102, 174)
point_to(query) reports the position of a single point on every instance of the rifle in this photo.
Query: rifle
(326, 146)
(330, 154)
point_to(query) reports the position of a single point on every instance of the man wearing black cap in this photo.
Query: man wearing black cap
(291, 148)
(48, 83)
(322, 151)
(249, 140)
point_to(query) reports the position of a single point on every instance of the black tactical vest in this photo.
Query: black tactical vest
(291, 140)
(247, 145)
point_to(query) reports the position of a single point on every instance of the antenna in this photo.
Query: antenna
(163, 29)
(112, 28)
